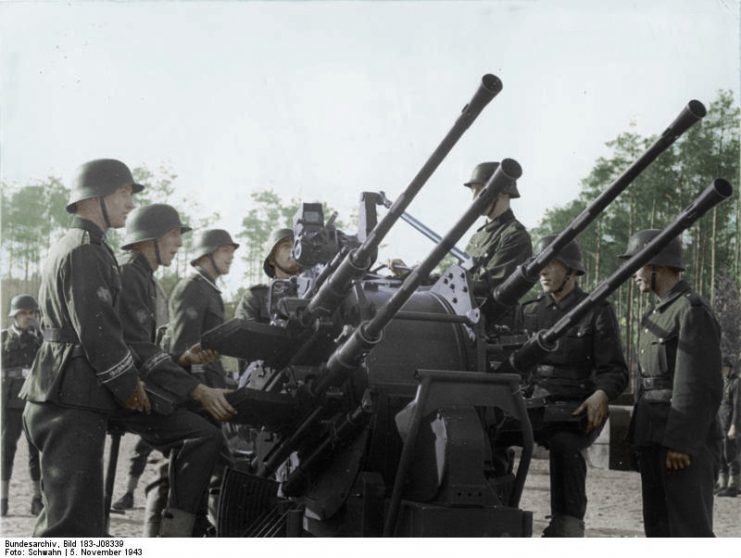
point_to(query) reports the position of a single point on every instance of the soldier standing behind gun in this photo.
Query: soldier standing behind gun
(587, 370)
(729, 479)
(154, 235)
(502, 243)
(20, 343)
(675, 420)
(279, 264)
(83, 371)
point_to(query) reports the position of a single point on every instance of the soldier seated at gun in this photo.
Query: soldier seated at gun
(20, 342)
(584, 373)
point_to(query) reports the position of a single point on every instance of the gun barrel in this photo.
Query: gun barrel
(358, 261)
(369, 332)
(545, 340)
(519, 283)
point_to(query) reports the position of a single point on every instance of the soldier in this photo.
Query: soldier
(502, 243)
(153, 238)
(729, 480)
(585, 372)
(196, 305)
(674, 426)
(20, 343)
(278, 264)
(83, 371)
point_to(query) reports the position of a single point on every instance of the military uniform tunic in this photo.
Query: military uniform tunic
(19, 347)
(82, 372)
(254, 304)
(678, 396)
(498, 248)
(589, 357)
(195, 308)
(195, 440)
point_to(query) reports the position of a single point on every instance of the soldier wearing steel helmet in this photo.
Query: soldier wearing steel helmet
(503, 243)
(196, 305)
(277, 264)
(674, 426)
(84, 372)
(154, 235)
(584, 373)
(20, 343)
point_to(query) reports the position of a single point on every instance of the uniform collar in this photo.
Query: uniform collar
(203, 275)
(502, 219)
(95, 231)
(566, 302)
(678, 290)
(140, 260)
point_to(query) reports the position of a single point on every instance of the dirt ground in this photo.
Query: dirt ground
(614, 508)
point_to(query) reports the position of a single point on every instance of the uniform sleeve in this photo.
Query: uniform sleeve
(139, 322)
(698, 385)
(90, 305)
(514, 250)
(187, 308)
(611, 371)
(248, 307)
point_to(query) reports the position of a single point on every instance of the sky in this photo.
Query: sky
(323, 100)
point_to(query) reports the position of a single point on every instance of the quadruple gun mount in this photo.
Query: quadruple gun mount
(375, 404)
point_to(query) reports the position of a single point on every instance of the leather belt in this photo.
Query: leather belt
(57, 335)
(649, 383)
(565, 372)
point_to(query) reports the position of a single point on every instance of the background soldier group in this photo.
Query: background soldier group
(101, 363)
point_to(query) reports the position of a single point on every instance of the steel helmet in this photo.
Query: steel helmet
(484, 171)
(669, 256)
(276, 237)
(570, 255)
(22, 302)
(208, 241)
(150, 223)
(99, 178)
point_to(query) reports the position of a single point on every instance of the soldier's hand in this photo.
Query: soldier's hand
(197, 355)
(139, 400)
(597, 408)
(732, 432)
(213, 402)
(676, 460)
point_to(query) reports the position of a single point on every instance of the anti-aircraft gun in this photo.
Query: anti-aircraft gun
(344, 357)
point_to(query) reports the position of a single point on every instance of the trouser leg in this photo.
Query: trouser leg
(157, 493)
(689, 495)
(139, 456)
(193, 444)
(71, 443)
(568, 474)
(733, 457)
(12, 426)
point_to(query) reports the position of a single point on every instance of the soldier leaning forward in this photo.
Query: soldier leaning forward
(84, 371)
(20, 342)
(153, 238)
(196, 305)
(582, 375)
(501, 244)
(674, 427)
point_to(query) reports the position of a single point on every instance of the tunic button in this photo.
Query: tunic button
(645, 330)
(642, 351)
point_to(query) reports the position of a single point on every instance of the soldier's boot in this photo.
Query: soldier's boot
(731, 491)
(177, 523)
(3, 507)
(125, 502)
(722, 483)
(564, 526)
(36, 505)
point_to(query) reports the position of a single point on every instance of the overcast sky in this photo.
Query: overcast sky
(321, 100)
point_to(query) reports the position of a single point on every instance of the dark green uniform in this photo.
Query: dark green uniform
(19, 347)
(83, 371)
(195, 308)
(729, 414)
(498, 248)
(589, 357)
(679, 392)
(195, 440)
(254, 304)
